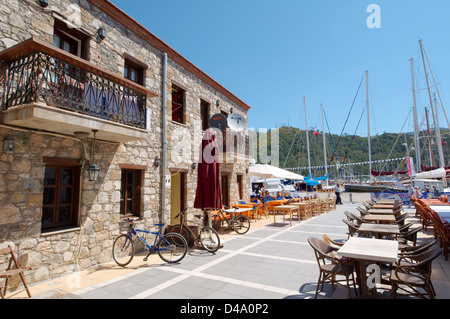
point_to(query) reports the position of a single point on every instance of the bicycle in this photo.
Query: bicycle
(171, 247)
(207, 237)
(239, 223)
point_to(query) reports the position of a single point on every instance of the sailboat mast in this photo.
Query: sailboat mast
(324, 144)
(416, 126)
(428, 87)
(368, 125)
(438, 135)
(307, 136)
(429, 139)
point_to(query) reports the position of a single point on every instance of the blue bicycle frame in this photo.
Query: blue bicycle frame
(135, 231)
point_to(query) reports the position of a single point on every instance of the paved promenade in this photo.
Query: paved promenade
(272, 261)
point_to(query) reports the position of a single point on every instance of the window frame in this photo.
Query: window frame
(131, 63)
(60, 164)
(180, 107)
(205, 114)
(61, 29)
(136, 191)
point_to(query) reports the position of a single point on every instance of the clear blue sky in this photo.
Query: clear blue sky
(272, 53)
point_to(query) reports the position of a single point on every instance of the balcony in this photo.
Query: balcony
(51, 90)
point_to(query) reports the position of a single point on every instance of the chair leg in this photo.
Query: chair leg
(25, 284)
(349, 291)
(394, 291)
(318, 284)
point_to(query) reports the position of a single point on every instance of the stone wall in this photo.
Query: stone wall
(22, 171)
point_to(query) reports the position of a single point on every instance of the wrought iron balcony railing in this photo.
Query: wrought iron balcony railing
(47, 74)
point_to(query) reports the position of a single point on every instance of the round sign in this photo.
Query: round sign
(218, 121)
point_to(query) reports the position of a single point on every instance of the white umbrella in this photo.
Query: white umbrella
(269, 171)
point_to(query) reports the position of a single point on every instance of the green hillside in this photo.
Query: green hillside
(349, 149)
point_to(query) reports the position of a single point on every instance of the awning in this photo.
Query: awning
(269, 171)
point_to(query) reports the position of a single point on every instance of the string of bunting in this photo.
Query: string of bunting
(341, 165)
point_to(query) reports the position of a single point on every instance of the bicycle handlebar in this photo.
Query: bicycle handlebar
(180, 213)
(132, 220)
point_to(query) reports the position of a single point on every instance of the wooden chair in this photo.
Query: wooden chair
(12, 270)
(352, 228)
(256, 213)
(266, 209)
(333, 203)
(415, 275)
(330, 266)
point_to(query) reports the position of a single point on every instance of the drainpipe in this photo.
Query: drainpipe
(164, 136)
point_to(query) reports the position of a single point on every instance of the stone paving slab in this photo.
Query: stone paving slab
(272, 262)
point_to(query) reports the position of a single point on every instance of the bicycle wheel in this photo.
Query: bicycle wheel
(123, 250)
(172, 247)
(240, 224)
(183, 232)
(209, 239)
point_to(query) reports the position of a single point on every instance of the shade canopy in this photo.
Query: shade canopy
(208, 194)
(269, 171)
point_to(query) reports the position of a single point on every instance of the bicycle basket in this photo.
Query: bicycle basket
(124, 226)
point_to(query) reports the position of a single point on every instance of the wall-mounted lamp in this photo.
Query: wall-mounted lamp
(194, 165)
(217, 103)
(101, 33)
(43, 3)
(8, 144)
(93, 169)
(231, 110)
(157, 161)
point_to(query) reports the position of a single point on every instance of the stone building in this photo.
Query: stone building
(83, 83)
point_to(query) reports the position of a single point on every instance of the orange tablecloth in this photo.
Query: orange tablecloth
(434, 202)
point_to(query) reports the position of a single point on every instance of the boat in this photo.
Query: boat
(359, 188)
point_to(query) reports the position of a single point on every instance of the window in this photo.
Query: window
(204, 111)
(224, 133)
(70, 40)
(178, 104)
(130, 193)
(61, 194)
(225, 187)
(134, 69)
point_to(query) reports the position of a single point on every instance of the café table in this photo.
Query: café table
(442, 211)
(379, 218)
(385, 201)
(383, 206)
(370, 250)
(274, 203)
(289, 209)
(237, 210)
(380, 211)
(378, 230)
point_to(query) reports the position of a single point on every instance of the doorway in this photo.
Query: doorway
(177, 196)
(225, 187)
